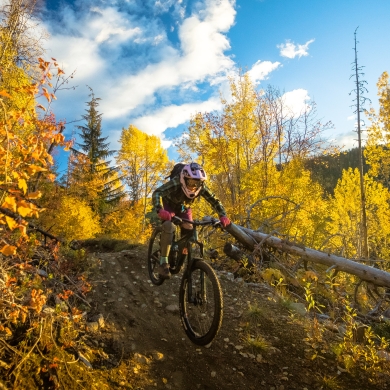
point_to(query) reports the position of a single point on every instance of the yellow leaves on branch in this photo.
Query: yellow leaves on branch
(22, 206)
(26, 209)
(9, 203)
(12, 224)
(22, 185)
(31, 169)
(25, 140)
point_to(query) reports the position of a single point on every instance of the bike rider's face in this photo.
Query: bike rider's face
(193, 184)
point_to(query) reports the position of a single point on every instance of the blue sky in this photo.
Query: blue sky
(154, 63)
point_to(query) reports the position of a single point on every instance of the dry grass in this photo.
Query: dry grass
(257, 344)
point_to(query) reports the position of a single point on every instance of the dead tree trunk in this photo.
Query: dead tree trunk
(250, 239)
(232, 251)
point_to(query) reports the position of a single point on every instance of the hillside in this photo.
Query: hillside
(328, 169)
(141, 345)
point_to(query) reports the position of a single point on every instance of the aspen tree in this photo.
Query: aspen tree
(377, 151)
(143, 164)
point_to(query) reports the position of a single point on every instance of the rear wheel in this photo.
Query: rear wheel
(154, 253)
(201, 313)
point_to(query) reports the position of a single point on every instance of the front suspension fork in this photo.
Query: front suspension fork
(194, 298)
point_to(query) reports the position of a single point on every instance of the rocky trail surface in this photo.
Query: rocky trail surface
(137, 327)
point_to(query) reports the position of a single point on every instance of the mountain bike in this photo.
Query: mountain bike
(200, 295)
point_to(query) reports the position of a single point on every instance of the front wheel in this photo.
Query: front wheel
(201, 310)
(154, 253)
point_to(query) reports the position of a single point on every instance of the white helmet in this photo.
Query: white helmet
(192, 177)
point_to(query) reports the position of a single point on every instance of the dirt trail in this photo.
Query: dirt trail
(144, 339)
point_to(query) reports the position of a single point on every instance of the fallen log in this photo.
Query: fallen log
(232, 251)
(250, 239)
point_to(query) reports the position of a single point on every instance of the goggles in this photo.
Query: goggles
(193, 183)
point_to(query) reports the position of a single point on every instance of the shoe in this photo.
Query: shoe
(163, 271)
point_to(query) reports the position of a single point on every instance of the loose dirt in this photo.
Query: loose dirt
(144, 345)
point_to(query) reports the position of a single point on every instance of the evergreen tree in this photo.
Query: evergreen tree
(94, 145)
(96, 150)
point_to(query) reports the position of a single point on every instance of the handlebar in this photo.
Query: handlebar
(206, 221)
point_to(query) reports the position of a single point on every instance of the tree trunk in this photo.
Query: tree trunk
(250, 239)
(232, 251)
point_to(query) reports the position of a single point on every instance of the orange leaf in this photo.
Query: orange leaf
(12, 224)
(12, 191)
(23, 230)
(8, 250)
(46, 94)
(5, 93)
(34, 195)
(41, 107)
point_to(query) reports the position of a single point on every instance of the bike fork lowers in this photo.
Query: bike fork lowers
(194, 298)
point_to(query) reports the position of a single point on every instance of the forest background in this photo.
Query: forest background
(271, 167)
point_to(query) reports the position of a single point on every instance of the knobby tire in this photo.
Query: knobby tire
(154, 257)
(201, 320)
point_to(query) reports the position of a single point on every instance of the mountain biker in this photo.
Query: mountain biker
(177, 195)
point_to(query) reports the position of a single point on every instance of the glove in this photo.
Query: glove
(165, 215)
(225, 221)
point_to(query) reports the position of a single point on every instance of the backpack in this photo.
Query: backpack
(176, 170)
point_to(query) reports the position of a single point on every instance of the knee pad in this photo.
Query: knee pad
(168, 227)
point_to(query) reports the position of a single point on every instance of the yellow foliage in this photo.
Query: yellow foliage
(143, 162)
(127, 224)
(271, 275)
(377, 151)
(25, 140)
(74, 220)
(243, 150)
(345, 212)
(307, 276)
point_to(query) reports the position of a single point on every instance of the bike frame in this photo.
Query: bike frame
(187, 242)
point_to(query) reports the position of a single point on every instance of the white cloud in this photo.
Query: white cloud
(296, 101)
(89, 63)
(174, 115)
(261, 69)
(291, 50)
(201, 57)
(94, 42)
(351, 117)
(345, 140)
(110, 27)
